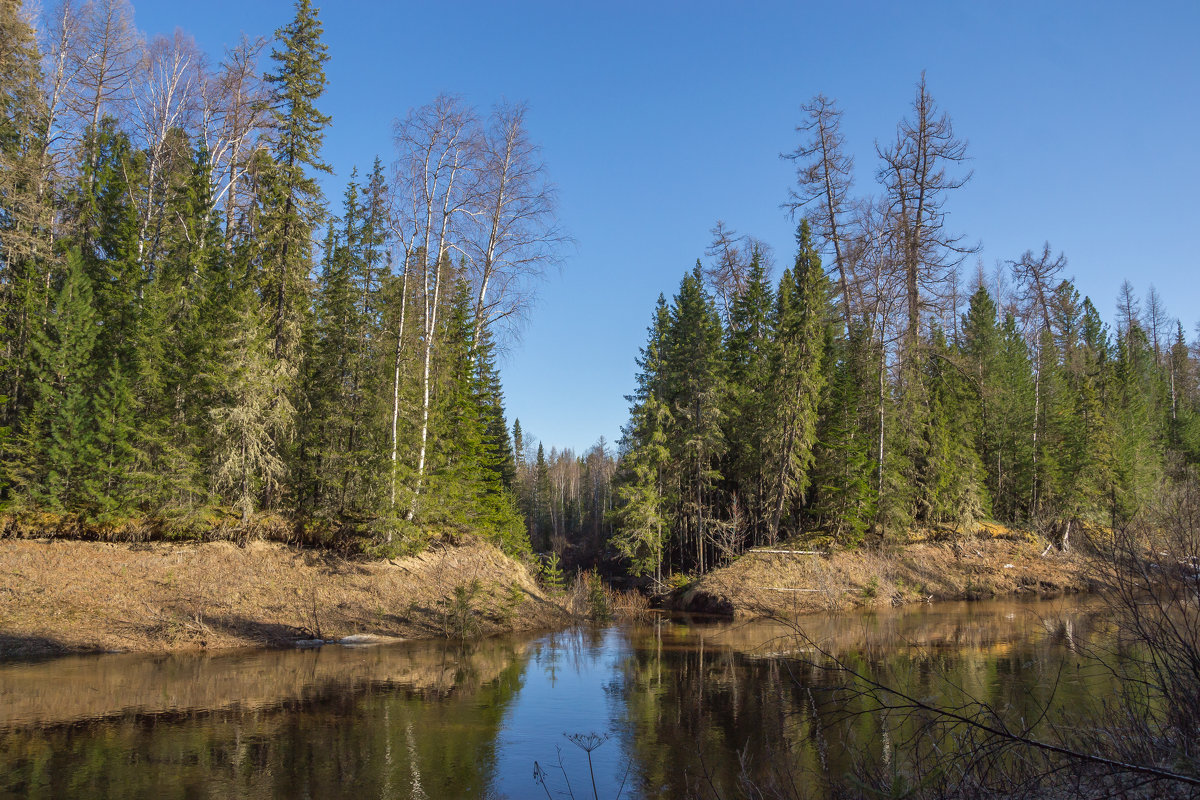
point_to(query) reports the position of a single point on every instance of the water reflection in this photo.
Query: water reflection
(687, 704)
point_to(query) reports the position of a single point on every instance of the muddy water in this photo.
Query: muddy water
(674, 703)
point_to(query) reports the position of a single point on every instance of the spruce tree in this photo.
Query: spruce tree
(541, 502)
(292, 202)
(845, 492)
(643, 511)
(294, 205)
(25, 213)
(950, 474)
(803, 316)
(695, 387)
(751, 352)
(61, 457)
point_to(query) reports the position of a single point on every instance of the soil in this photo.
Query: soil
(767, 584)
(62, 596)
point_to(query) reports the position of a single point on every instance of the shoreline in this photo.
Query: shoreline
(61, 596)
(782, 581)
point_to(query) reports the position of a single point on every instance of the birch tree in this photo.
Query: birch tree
(435, 146)
(516, 236)
(165, 101)
(233, 115)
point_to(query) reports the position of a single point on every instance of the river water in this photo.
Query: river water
(673, 704)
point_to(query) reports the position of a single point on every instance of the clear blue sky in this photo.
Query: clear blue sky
(657, 119)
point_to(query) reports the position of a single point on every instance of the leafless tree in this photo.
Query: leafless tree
(916, 177)
(875, 256)
(435, 144)
(59, 41)
(1036, 278)
(729, 268)
(233, 113)
(105, 60)
(165, 100)
(1156, 322)
(824, 174)
(1129, 310)
(516, 234)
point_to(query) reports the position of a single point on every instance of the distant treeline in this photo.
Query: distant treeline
(172, 341)
(877, 397)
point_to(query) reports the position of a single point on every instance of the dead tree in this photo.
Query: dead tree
(824, 174)
(915, 173)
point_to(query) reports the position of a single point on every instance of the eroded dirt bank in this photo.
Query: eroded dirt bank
(782, 583)
(60, 596)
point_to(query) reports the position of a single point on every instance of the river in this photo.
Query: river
(674, 704)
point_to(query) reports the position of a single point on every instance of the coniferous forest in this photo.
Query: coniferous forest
(193, 332)
(885, 386)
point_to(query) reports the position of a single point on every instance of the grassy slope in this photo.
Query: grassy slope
(59, 596)
(983, 566)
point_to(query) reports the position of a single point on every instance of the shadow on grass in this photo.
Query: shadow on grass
(32, 648)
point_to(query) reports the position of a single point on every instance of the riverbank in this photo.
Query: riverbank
(787, 580)
(60, 596)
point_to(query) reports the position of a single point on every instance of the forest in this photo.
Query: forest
(192, 332)
(884, 396)
(195, 336)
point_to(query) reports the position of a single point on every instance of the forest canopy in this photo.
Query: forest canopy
(190, 326)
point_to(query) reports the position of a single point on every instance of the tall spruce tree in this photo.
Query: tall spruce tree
(751, 350)
(643, 513)
(59, 468)
(292, 206)
(803, 317)
(845, 493)
(25, 213)
(695, 387)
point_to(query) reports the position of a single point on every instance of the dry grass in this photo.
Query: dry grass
(997, 562)
(61, 596)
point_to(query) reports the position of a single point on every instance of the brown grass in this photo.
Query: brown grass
(60, 596)
(996, 562)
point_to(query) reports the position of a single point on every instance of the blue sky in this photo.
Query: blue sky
(657, 119)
